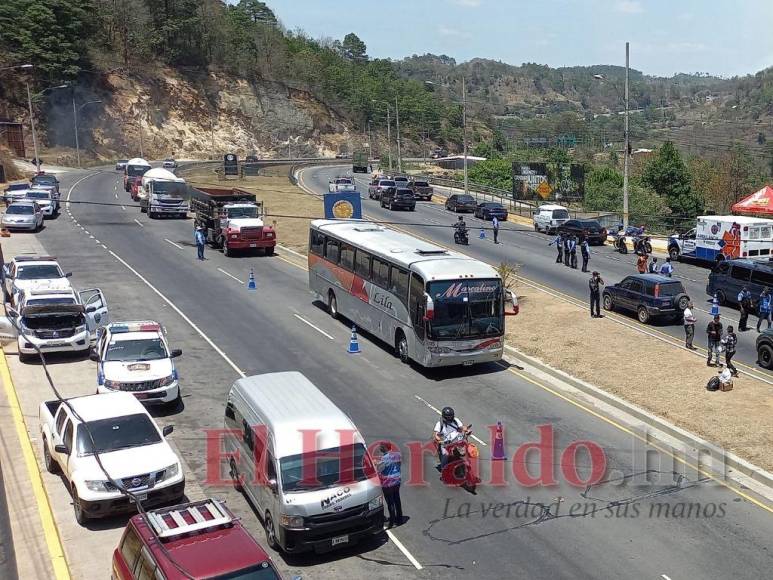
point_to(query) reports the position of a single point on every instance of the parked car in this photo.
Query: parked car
(46, 199)
(120, 165)
(15, 191)
(597, 235)
(548, 217)
(649, 295)
(171, 539)
(765, 349)
(422, 190)
(379, 186)
(400, 198)
(169, 163)
(461, 202)
(490, 209)
(46, 180)
(402, 181)
(340, 184)
(23, 215)
(34, 273)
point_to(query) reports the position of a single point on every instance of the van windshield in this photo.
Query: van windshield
(262, 571)
(325, 468)
(560, 214)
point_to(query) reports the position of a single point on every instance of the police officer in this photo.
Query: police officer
(567, 239)
(559, 242)
(585, 250)
(745, 304)
(594, 284)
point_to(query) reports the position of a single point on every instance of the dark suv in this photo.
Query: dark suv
(401, 198)
(765, 349)
(649, 295)
(591, 228)
(461, 202)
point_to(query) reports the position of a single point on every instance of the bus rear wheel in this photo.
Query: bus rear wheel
(332, 304)
(401, 347)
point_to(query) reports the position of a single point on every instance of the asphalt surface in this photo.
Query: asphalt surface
(7, 556)
(611, 530)
(530, 249)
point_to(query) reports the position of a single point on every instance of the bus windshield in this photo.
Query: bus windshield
(466, 309)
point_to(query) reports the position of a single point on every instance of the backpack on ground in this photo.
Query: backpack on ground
(713, 384)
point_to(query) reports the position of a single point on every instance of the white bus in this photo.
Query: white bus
(434, 306)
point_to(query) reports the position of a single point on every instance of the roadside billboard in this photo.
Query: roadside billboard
(548, 181)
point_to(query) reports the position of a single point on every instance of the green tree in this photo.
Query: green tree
(257, 11)
(604, 192)
(667, 175)
(354, 48)
(493, 172)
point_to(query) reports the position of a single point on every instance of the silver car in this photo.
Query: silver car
(46, 199)
(23, 215)
(15, 191)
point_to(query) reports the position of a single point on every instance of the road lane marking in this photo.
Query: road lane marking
(178, 246)
(431, 406)
(138, 222)
(404, 550)
(50, 531)
(123, 207)
(220, 270)
(665, 577)
(317, 328)
(116, 196)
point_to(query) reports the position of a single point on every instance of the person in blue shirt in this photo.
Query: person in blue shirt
(201, 240)
(745, 306)
(559, 242)
(572, 249)
(585, 251)
(389, 467)
(667, 269)
(764, 308)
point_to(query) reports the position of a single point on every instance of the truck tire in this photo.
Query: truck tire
(227, 252)
(765, 356)
(80, 515)
(270, 251)
(51, 465)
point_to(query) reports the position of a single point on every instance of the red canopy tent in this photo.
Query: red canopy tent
(759, 203)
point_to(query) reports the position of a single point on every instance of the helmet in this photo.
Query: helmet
(448, 414)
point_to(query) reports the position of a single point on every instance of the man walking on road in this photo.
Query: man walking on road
(745, 305)
(595, 284)
(559, 242)
(567, 241)
(654, 269)
(389, 473)
(729, 341)
(495, 225)
(641, 264)
(573, 252)
(764, 308)
(201, 240)
(585, 251)
(714, 332)
(689, 326)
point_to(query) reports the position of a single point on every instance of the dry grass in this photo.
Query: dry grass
(280, 198)
(665, 380)
(11, 171)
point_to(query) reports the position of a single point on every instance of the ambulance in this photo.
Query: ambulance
(716, 238)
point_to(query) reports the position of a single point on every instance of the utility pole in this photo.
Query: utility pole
(32, 125)
(626, 147)
(75, 123)
(370, 142)
(389, 138)
(464, 133)
(399, 156)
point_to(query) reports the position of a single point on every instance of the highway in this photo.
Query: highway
(530, 249)
(148, 270)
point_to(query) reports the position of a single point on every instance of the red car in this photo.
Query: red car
(202, 538)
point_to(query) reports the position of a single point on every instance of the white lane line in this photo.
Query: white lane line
(404, 550)
(91, 237)
(665, 577)
(317, 328)
(220, 270)
(103, 245)
(178, 246)
(123, 207)
(431, 406)
(192, 324)
(286, 249)
(138, 223)
(116, 196)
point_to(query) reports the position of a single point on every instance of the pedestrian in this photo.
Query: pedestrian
(573, 252)
(745, 306)
(585, 251)
(641, 264)
(389, 473)
(495, 225)
(654, 269)
(595, 284)
(714, 332)
(201, 240)
(764, 307)
(689, 326)
(729, 341)
(567, 240)
(667, 269)
(559, 242)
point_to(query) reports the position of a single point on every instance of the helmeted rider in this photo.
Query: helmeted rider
(446, 429)
(461, 226)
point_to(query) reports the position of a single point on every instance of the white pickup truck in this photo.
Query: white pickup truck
(130, 446)
(340, 184)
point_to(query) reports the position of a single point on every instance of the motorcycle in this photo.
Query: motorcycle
(642, 245)
(458, 471)
(461, 236)
(620, 244)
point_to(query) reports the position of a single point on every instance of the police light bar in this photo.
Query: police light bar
(35, 258)
(139, 326)
(50, 292)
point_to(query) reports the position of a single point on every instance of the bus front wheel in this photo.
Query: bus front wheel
(401, 347)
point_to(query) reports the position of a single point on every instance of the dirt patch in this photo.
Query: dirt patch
(289, 208)
(665, 380)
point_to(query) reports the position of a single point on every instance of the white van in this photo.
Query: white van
(548, 217)
(301, 496)
(724, 237)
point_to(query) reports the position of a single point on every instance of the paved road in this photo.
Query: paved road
(450, 532)
(530, 249)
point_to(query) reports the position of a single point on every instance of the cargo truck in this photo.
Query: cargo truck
(360, 162)
(232, 219)
(162, 193)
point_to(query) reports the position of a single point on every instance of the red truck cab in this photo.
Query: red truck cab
(201, 539)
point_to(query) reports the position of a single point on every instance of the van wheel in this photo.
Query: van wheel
(77, 508)
(268, 526)
(332, 304)
(721, 298)
(644, 316)
(401, 347)
(235, 475)
(51, 465)
(765, 356)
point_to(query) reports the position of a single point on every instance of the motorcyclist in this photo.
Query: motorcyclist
(461, 227)
(445, 430)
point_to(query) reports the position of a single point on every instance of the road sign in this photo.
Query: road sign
(230, 164)
(544, 189)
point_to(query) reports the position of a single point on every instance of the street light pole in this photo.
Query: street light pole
(464, 134)
(399, 156)
(32, 126)
(627, 146)
(389, 138)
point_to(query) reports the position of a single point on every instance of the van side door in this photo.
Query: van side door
(739, 277)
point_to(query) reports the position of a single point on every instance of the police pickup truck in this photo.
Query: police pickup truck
(340, 184)
(135, 357)
(132, 449)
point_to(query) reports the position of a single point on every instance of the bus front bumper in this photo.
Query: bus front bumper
(437, 357)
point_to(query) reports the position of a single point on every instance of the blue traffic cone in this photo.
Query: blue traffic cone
(251, 282)
(482, 235)
(715, 306)
(354, 344)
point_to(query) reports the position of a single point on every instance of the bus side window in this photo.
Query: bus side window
(347, 256)
(362, 264)
(380, 273)
(416, 304)
(398, 283)
(332, 250)
(316, 242)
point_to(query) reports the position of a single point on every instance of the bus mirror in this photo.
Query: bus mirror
(512, 300)
(429, 308)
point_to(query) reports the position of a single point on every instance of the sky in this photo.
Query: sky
(720, 37)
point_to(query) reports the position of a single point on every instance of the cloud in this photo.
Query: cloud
(629, 7)
(444, 30)
(468, 3)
